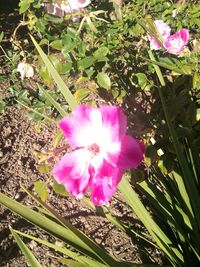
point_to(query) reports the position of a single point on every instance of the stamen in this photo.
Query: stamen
(94, 149)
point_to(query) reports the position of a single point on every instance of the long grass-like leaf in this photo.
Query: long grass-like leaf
(79, 258)
(58, 80)
(25, 250)
(188, 176)
(100, 252)
(155, 231)
(57, 230)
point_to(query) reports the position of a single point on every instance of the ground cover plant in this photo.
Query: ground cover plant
(119, 80)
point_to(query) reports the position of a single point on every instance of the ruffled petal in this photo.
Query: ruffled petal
(114, 122)
(72, 172)
(129, 155)
(82, 127)
(104, 183)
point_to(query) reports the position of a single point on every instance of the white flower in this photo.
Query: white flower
(25, 69)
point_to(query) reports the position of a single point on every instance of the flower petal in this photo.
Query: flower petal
(72, 172)
(82, 127)
(175, 43)
(104, 183)
(114, 120)
(184, 35)
(129, 155)
(163, 29)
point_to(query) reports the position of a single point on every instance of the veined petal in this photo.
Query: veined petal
(104, 183)
(72, 172)
(129, 155)
(82, 127)
(114, 120)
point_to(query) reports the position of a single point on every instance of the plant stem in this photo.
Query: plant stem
(5, 54)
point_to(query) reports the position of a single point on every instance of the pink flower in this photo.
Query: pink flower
(74, 5)
(164, 31)
(65, 6)
(175, 43)
(101, 152)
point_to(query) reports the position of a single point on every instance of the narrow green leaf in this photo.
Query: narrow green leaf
(25, 250)
(64, 250)
(69, 235)
(159, 236)
(58, 80)
(188, 175)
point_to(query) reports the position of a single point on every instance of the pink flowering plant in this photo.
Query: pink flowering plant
(174, 44)
(93, 68)
(101, 152)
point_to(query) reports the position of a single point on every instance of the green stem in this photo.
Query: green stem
(188, 176)
(5, 54)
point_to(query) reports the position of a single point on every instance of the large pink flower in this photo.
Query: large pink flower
(164, 31)
(175, 43)
(101, 152)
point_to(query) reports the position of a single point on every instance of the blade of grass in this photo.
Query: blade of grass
(25, 250)
(58, 80)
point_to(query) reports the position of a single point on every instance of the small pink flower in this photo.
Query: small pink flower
(175, 43)
(101, 152)
(164, 31)
(74, 5)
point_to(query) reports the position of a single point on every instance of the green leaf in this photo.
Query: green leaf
(86, 62)
(103, 80)
(57, 44)
(81, 93)
(159, 236)
(25, 250)
(58, 80)
(101, 52)
(73, 263)
(64, 250)
(41, 189)
(142, 80)
(59, 188)
(68, 234)
(56, 63)
(24, 5)
(53, 101)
